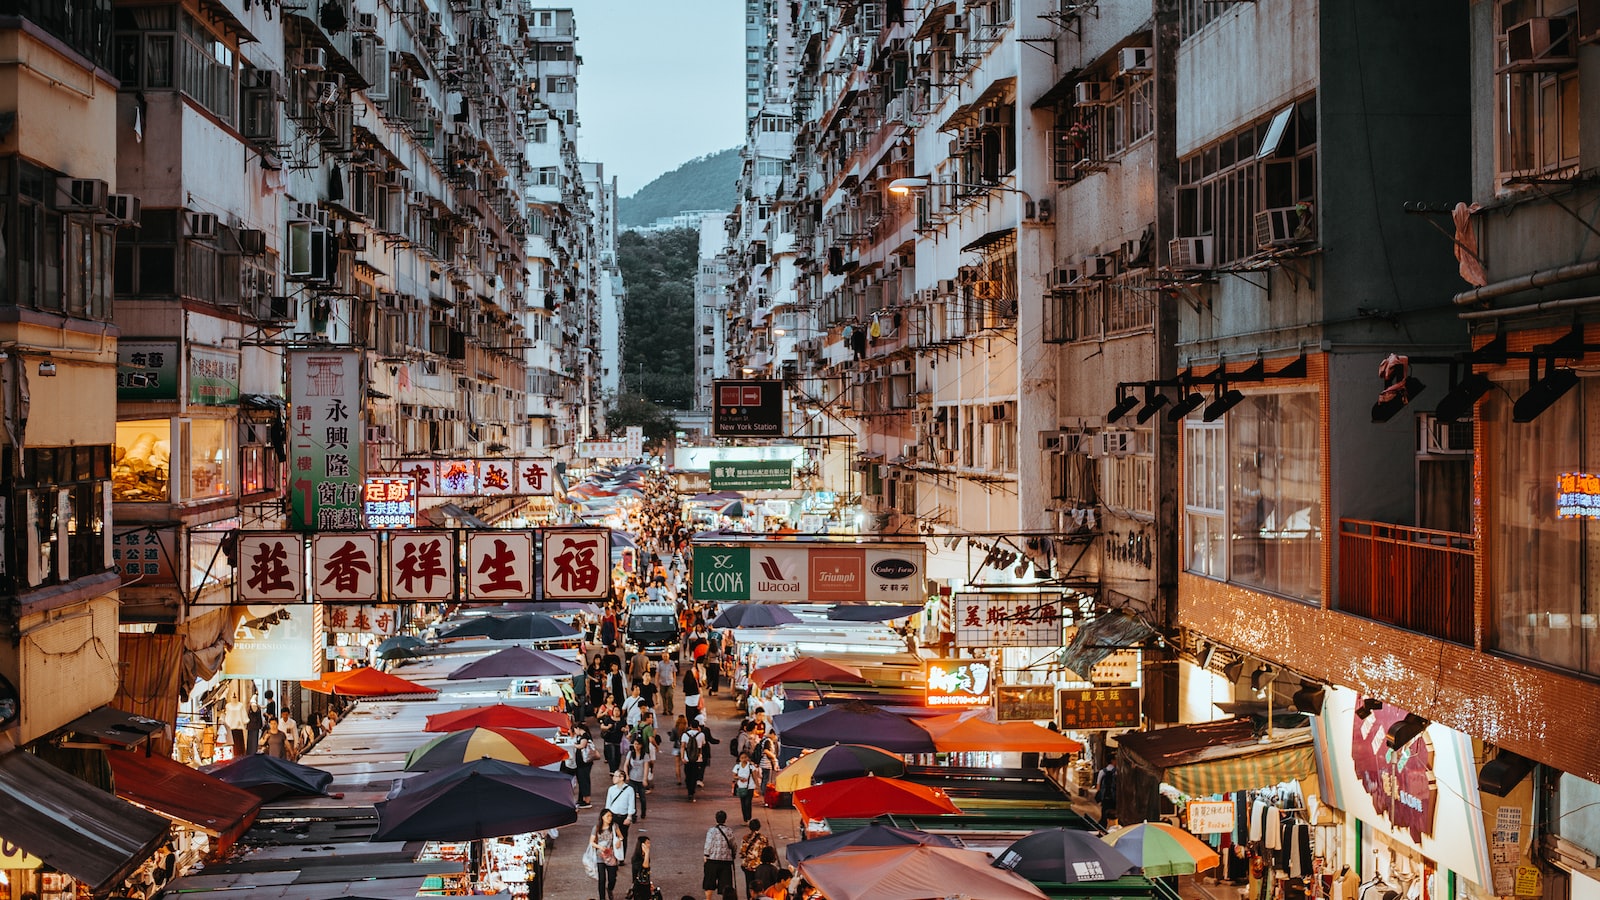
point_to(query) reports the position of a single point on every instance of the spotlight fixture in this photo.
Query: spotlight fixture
(1503, 773)
(1153, 401)
(1234, 670)
(1405, 731)
(1458, 404)
(1368, 706)
(1205, 651)
(1185, 406)
(1226, 398)
(1125, 405)
(1399, 387)
(1543, 394)
(1261, 680)
(1309, 698)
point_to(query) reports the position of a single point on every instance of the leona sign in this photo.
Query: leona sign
(820, 573)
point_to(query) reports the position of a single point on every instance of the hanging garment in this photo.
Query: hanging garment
(1258, 812)
(1293, 854)
(1272, 828)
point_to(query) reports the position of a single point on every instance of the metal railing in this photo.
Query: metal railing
(1413, 578)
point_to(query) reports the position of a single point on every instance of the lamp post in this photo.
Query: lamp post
(905, 186)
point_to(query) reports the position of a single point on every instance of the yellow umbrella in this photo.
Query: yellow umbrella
(837, 763)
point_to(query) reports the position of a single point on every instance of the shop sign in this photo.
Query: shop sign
(145, 556)
(630, 447)
(213, 376)
(379, 621)
(721, 573)
(327, 428)
(344, 567)
(1400, 782)
(959, 683)
(499, 565)
(147, 370)
(757, 475)
(276, 642)
(1121, 667)
(1025, 702)
(14, 857)
(747, 408)
(778, 573)
(845, 573)
(422, 565)
(837, 576)
(1210, 817)
(702, 459)
(575, 563)
(1088, 709)
(456, 478)
(777, 508)
(489, 477)
(1578, 496)
(1030, 619)
(272, 567)
(389, 502)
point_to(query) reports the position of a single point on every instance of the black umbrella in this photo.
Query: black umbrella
(481, 627)
(402, 642)
(517, 662)
(1064, 855)
(754, 615)
(481, 799)
(269, 777)
(529, 626)
(875, 834)
(866, 612)
(856, 722)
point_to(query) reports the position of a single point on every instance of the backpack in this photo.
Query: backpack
(694, 747)
(751, 851)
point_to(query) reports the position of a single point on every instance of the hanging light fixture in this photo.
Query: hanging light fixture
(1226, 398)
(1543, 394)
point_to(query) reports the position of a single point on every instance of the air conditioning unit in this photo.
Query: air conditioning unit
(355, 241)
(367, 22)
(1099, 268)
(1540, 44)
(123, 209)
(281, 309)
(1435, 438)
(252, 241)
(1066, 278)
(990, 115)
(81, 194)
(947, 286)
(1134, 61)
(1113, 443)
(325, 93)
(1091, 93)
(970, 136)
(997, 412)
(310, 59)
(270, 80)
(1190, 253)
(1278, 227)
(955, 23)
(378, 434)
(1052, 441)
(200, 226)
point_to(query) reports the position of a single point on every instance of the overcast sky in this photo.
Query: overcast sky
(662, 82)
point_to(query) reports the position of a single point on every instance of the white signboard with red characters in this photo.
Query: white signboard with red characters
(422, 565)
(379, 621)
(576, 563)
(1020, 619)
(500, 565)
(536, 476)
(272, 567)
(344, 567)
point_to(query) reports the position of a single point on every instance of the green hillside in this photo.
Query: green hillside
(705, 183)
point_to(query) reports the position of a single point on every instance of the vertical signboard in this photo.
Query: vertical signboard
(576, 563)
(326, 430)
(272, 568)
(390, 503)
(536, 476)
(344, 567)
(499, 565)
(422, 565)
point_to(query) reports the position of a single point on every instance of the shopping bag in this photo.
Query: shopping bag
(590, 863)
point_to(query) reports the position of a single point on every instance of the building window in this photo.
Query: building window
(1537, 99)
(59, 260)
(160, 48)
(1253, 495)
(60, 498)
(1130, 485)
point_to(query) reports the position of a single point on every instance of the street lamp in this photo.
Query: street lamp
(904, 186)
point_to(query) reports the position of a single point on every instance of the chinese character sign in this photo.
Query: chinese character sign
(381, 621)
(500, 565)
(536, 476)
(497, 477)
(960, 682)
(326, 429)
(390, 502)
(213, 376)
(422, 565)
(1031, 619)
(272, 567)
(1577, 496)
(1093, 708)
(344, 567)
(143, 555)
(575, 563)
(147, 370)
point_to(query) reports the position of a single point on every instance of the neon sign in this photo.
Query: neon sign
(960, 682)
(1578, 496)
(390, 502)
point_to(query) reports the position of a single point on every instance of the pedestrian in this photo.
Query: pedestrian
(766, 756)
(611, 728)
(634, 705)
(269, 709)
(638, 664)
(637, 770)
(643, 888)
(594, 680)
(609, 846)
(717, 878)
(1105, 792)
(750, 850)
(768, 875)
(648, 690)
(275, 743)
(666, 682)
(675, 734)
(713, 661)
(746, 777)
(255, 724)
(614, 682)
(621, 802)
(583, 754)
(291, 733)
(695, 752)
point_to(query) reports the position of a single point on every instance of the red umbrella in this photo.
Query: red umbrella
(964, 733)
(862, 798)
(498, 715)
(368, 682)
(806, 668)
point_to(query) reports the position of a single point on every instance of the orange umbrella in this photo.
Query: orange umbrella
(806, 668)
(968, 733)
(368, 682)
(498, 715)
(870, 796)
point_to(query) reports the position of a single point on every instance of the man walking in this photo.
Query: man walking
(620, 800)
(666, 682)
(717, 880)
(694, 751)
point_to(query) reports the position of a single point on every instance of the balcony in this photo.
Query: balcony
(1413, 578)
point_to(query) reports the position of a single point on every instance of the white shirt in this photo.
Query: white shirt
(619, 799)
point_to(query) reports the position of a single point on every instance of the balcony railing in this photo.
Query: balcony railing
(1413, 578)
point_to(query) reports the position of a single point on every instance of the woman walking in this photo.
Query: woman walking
(642, 886)
(676, 733)
(746, 781)
(637, 768)
(583, 755)
(608, 845)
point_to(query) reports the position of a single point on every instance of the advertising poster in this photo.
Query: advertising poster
(326, 431)
(278, 642)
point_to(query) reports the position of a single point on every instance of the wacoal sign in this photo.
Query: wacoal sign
(777, 574)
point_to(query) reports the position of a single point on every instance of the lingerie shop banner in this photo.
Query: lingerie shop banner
(1423, 796)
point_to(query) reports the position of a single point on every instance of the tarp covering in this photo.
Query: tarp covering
(73, 826)
(1099, 638)
(170, 787)
(1217, 757)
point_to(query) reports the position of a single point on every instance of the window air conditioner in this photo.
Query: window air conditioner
(252, 241)
(123, 209)
(366, 22)
(1279, 227)
(954, 23)
(1099, 268)
(310, 59)
(1191, 253)
(200, 226)
(81, 194)
(990, 115)
(947, 286)
(1540, 44)
(1134, 61)
(1113, 443)
(1066, 278)
(1051, 441)
(1092, 93)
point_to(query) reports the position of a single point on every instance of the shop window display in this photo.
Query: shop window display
(211, 467)
(142, 461)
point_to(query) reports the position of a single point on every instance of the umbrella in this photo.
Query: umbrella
(402, 641)
(531, 626)
(1162, 849)
(269, 777)
(839, 761)
(394, 653)
(517, 662)
(807, 668)
(754, 615)
(916, 872)
(875, 834)
(734, 510)
(866, 612)
(869, 796)
(967, 733)
(504, 744)
(498, 715)
(480, 627)
(857, 722)
(480, 799)
(1064, 856)
(547, 606)
(622, 540)
(369, 682)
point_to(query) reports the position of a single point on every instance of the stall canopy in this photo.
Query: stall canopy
(73, 826)
(115, 726)
(173, 789)
(368, 682)
(1218, 757)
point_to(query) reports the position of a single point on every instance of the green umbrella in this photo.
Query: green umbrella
(1162, 849)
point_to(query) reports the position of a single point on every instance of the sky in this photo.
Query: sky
(662, 82)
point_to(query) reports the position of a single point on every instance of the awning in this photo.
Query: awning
(933, 21)
(993, 237)
(1061, 90)
(115, 726)
(460, 515)
(73, 826)
(1218, 757)
(173, 789)
(1101, 637)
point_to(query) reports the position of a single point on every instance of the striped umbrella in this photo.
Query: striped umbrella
(837, 762)
(1162, 849)
(503, 744)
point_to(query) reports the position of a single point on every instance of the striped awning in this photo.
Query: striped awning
(1262, 768)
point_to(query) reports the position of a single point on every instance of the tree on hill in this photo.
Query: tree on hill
(709, 182)
(632, 409)
(659, 352)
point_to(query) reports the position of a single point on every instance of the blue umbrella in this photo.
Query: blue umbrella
(480, 799)
(866, 612)
(875, 834)
(855, 722)
(754, 615)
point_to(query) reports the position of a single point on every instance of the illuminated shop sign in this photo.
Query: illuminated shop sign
(390, 502)
(1578, 495)
(960, 682)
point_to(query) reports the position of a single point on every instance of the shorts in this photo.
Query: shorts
(718, 876)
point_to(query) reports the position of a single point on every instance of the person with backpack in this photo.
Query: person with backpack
(675, 735)
(750, 850)
(717, 877)
(1105, 792)
(693, 745)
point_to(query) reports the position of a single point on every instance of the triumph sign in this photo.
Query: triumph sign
(811, 573)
